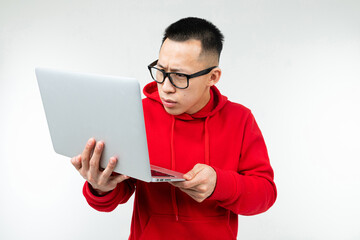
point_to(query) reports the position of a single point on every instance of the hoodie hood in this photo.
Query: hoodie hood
(217, 102)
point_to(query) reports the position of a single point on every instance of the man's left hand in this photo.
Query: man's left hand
(200, 182)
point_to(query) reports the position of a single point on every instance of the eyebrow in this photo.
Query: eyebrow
(171, 69)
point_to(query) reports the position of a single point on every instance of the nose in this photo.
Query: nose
(167, 86)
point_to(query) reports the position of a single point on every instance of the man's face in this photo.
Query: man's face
(183, 57)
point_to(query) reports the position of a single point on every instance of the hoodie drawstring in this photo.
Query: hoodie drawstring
(173, 194)
(207, 142)
(172, 144)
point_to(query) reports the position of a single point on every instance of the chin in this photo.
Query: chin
(173, 111)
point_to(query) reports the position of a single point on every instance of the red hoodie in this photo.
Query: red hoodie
(223, 135)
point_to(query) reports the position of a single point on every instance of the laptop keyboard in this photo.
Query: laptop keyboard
(159, 174)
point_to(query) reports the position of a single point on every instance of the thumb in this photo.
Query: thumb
(120, 178)
(193, 172)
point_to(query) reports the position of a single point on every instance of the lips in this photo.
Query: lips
(168, 102)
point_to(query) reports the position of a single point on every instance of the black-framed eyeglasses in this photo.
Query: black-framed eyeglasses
(178, 80)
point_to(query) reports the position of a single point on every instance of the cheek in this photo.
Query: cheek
(188, 98)
(158, 87)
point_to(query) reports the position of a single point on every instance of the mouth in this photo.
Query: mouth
(168, 102)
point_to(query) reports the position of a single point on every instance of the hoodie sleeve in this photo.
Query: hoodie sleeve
(111, 200)
(250, 190)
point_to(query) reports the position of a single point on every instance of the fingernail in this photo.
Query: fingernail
(78, 158)
(99, 145)
(91, 140)
(188, 176)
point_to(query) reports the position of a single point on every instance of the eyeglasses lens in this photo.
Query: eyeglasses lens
(178, 80)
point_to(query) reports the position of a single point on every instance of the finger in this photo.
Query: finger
(177, 184)
(76, 162)
(204, 181)
(193, 194)
(187, 184)
(199, 179)
(193, 172)
(192, 177)
(95, 159)
(182, 184)
(109, 168)
(85, 156)
(189, 191)
(120, 178)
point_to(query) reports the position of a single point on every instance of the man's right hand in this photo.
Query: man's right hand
(88, 165)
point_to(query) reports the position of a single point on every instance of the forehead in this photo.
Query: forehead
(174, 54)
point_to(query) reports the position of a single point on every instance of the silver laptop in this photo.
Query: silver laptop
(80, 106)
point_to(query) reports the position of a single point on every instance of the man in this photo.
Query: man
(191, 128)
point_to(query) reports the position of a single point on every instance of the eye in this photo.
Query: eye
(180, 75)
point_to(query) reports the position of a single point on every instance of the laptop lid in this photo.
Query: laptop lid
(79, 106)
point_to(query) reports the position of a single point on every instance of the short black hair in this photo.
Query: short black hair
(199, 29)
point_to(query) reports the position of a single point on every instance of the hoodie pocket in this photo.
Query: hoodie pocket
(166, 227)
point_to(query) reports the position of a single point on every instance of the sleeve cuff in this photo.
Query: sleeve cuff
(88, 192)
(226, 185)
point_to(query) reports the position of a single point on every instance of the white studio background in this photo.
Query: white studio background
(296, 64)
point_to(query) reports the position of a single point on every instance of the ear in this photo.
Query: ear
(214, 77)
